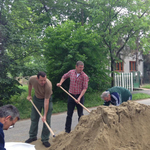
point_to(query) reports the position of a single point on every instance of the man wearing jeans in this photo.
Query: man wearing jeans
(116, 95)
(42, 100)
(78, 86)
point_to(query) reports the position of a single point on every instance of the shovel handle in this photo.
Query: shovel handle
(75, 99)
(44, 121)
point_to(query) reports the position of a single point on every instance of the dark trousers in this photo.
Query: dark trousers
(71, 105)
(39, 103)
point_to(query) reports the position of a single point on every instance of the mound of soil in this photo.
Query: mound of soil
(125, 127)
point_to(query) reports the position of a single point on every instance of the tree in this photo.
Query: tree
(68, 43)
(53, 12)
(115, 20)
(19, 39)
(8, 86)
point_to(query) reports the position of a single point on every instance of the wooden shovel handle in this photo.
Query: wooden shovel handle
(42, 117)
(75, 99)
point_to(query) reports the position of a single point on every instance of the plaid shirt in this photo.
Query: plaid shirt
(77, 84)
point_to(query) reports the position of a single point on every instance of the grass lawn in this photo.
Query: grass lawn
(139, 96)
(147, 86)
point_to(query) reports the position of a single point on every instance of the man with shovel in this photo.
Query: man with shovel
(78, 86)
(42, 100)
(9, 115)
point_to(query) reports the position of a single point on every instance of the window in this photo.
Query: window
(132, 66)
(119, 66)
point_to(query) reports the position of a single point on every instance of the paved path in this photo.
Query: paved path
(146, 91)
(20, 132)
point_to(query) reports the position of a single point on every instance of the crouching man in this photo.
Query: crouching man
(116, 95)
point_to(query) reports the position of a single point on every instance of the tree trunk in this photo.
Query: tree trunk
(1, 48)
(112, 72)
(137, 52)
(82, 19)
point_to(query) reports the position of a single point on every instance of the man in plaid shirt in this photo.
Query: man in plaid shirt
(78, 86)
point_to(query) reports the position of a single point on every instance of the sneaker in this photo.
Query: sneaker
(46, 144)
(31, 140)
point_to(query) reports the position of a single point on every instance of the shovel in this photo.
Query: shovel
(44, 121)
(74, 99)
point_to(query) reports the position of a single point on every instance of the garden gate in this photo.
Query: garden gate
(124, 80)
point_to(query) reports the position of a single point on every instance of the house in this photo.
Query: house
(128, 66)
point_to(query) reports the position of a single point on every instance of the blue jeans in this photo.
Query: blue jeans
(71, 105)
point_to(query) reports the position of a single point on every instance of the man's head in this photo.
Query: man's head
(79, 66)
(9, 115)
(106, 96)
(41, 77)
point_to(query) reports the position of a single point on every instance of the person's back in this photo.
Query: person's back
(124, 93)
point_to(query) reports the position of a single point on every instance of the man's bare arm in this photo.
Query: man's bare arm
(46, 107)
(61, 82)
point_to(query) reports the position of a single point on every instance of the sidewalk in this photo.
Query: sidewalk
(20, 132)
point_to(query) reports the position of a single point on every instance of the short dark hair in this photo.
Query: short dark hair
(79, 63)
(9, 110)
(41, 73)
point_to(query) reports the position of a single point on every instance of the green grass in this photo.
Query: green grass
(59, 106)
(91, 100)
(139, 96)
(23, 105)
(25, 87)
(147, 86)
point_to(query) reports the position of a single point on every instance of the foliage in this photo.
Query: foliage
(51, 13)
(20, 101)
(8, 87)
(119, 23)
(93, 99)
(68, 43)
(19, 40)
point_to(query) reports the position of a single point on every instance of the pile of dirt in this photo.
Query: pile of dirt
(125, 127)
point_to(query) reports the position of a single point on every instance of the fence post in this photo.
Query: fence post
(122, 79)
(131, 81)
(125, 80)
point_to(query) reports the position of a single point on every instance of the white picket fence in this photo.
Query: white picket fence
(124, 80)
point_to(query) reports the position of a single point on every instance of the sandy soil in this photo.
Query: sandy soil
(39, 146)
(126, 127)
